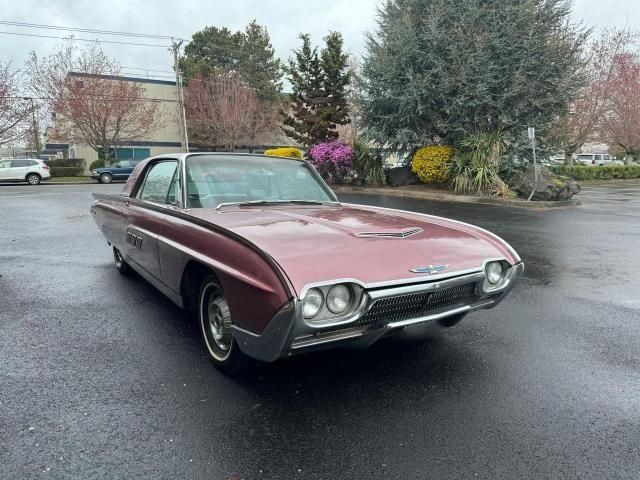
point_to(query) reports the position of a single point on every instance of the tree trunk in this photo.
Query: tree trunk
(568, 158)
(105, 154)
(628, 159)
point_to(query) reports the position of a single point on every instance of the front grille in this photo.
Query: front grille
(421, 304)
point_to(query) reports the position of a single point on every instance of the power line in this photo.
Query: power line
(89, 30)
(85, 39)
(101, 97)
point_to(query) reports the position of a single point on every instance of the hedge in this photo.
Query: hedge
(598, 173)
(66, 162)
(290, 152)
(66, 171)
(431, 163)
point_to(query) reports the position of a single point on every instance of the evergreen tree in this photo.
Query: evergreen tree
(437, 70)
(248, 53)
(304, 123)
(319, 83)
(212, 49)
(258, 66)
(336, 80)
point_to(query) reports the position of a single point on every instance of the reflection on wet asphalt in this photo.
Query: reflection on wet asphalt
(102, 377)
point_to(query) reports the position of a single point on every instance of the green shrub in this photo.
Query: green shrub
(475, 165)
(66, 171)
(290, 152)
(431, 163)
(367, 164)
(598, 173)
(96, 164)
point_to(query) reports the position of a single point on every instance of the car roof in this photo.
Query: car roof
(184, 155)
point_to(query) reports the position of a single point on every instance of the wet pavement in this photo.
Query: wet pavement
(102, 377)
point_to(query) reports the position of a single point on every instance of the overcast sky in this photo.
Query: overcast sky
(283, 18)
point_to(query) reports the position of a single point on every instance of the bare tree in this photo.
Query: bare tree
(622, 119)
(223, 110)
(585, 113)
(15, 111)
(90, 102)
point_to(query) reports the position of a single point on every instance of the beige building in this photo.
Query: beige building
(165, 140)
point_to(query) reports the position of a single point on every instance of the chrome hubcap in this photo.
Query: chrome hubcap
(219, 322)
(117, 257)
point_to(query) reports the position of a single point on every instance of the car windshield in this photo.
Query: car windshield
(213, 180)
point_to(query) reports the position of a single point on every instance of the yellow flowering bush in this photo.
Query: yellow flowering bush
(290, 152)
(431, 163)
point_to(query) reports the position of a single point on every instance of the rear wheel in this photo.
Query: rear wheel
(215, 325)
(106, 178)
(121, 265)
(33, 179)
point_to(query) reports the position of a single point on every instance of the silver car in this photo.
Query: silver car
(30, 170)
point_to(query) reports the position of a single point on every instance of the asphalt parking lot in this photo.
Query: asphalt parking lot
(102, 377)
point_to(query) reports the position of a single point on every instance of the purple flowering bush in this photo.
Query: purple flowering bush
(332, 160)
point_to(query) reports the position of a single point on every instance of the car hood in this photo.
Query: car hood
(368, 244)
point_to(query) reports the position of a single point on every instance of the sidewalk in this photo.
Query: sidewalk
(426, 193)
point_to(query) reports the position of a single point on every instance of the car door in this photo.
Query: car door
(145, 217)
(19, 169)
(5, 170)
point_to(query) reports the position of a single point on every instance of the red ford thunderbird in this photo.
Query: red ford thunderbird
(273, 265)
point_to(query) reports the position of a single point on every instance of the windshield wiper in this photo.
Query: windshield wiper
(252, 203)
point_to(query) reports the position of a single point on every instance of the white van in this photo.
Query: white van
(598, 159)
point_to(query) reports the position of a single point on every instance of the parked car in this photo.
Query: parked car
(273, 264)
(30, 170)
(596, 159)
(119, 170)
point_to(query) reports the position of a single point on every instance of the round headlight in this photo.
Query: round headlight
(339, 299)
(494, 272)
(312, 303)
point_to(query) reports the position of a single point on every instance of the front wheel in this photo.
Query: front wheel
(33, 179)
(106, 178)
(215, 325)
(121, 265)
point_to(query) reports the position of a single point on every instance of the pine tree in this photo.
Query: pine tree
(304, 123)
(336, 80)
(258, 65)
(319, 83)
(248, 53)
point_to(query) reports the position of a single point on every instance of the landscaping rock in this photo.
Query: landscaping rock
(549, 187)
(401, 176)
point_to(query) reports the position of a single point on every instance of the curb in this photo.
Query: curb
(447, 197)
(70, 183)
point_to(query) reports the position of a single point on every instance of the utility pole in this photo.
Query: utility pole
(175, 49)
(34, 126)
(532, 136)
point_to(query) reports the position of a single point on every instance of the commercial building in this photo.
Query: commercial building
(166, 139)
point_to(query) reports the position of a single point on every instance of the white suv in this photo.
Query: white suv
(30, 170)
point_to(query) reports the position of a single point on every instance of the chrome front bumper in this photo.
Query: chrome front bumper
(288, 334)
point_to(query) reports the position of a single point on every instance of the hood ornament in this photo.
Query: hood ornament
(430, 269)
